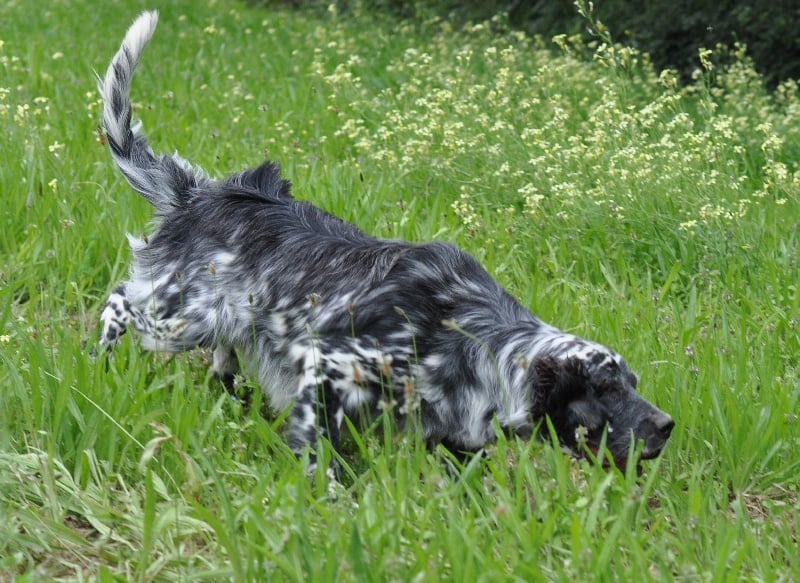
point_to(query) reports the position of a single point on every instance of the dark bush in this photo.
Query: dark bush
(672, 31)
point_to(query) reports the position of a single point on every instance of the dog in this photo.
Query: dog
(334, 322)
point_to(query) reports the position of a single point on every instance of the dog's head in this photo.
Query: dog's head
(594, 394)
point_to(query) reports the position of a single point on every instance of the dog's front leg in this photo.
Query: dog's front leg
(116, 315)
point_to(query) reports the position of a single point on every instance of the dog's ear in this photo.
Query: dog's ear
(551, 373)
(574, 370)
(556, 383)
(546, 373)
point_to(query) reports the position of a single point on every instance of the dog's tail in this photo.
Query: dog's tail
(165, 181)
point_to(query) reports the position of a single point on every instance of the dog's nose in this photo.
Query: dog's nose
(656, 429)
(662, 424)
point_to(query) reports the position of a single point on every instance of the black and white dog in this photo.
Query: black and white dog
(334, 322)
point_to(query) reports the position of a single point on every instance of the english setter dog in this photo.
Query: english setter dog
(334, 322)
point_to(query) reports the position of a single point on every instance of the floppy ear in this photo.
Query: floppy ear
(546, 374)
(556, 383)
(552, 373)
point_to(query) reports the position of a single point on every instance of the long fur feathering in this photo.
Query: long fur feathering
(164, 181)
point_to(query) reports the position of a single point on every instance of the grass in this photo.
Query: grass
(660, 220)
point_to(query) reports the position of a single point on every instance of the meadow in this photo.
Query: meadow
(657, 218)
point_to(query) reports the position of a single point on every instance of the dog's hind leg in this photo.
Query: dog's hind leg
(317, 413)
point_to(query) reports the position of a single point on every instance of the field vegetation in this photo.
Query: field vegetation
(656, 217)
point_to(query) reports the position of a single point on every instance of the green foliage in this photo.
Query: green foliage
(657, 218)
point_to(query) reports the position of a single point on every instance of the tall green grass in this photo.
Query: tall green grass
(660, 220)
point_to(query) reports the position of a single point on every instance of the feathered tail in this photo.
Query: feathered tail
(165, 181)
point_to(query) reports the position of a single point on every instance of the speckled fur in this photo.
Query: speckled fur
(334, 322)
